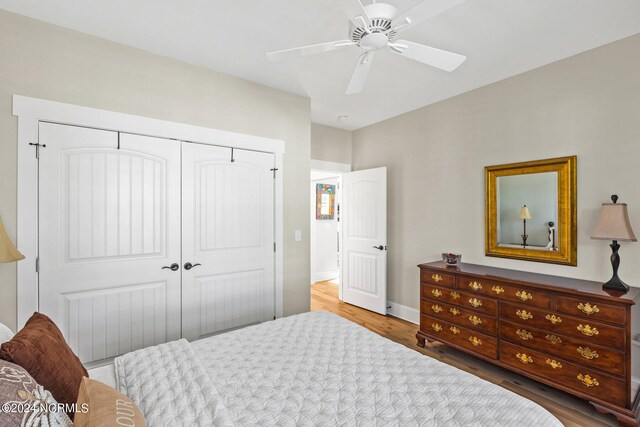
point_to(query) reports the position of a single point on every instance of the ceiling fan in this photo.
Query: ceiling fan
(376, 26)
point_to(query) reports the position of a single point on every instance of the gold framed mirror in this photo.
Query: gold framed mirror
(531, 211)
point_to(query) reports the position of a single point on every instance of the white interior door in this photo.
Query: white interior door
(364, 231)
(109, 221)
(228, 236)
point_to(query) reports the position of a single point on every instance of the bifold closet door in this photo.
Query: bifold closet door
(109, 222)
(228, 237)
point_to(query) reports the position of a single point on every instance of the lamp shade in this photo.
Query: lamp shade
(524, 213)
(614, 224)
(8, 252)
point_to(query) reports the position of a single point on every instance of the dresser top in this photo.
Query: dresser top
(564, 284)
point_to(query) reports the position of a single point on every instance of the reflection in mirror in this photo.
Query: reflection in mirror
(528, 210)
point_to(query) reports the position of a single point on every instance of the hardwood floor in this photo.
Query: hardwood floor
(568, 409)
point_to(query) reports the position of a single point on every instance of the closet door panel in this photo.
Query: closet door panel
(227, 229)
(109, 221)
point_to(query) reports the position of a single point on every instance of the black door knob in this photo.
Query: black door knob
(173, 267)
(188, 266)
(380, 247)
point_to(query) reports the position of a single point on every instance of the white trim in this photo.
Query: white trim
(403, 312)
(31, 111)
(321, 276)
(321, 165)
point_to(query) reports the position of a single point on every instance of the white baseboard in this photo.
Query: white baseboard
(325, 275)
(403, 312)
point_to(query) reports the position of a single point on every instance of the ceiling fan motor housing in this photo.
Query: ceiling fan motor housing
(381, 15)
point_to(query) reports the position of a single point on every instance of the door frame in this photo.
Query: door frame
(32, 111)
(338, 169)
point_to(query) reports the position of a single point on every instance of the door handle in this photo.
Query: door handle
(379, 247)
(188, 266)
(173, 267)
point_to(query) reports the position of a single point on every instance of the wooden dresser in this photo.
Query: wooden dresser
(566, 333)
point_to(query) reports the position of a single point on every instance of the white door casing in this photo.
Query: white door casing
(228, 229)
(109, 221)
(364, 231)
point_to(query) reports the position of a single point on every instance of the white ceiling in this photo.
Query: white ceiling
(501, 38)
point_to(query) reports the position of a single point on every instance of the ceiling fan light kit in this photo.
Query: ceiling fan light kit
(375, 27)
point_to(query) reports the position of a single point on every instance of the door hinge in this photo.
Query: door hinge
(274, 172)
(274, 246)
(232, 157)
(38, 265)
(274, 317)
(35, 144)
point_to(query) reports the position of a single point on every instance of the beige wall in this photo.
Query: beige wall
(587, 105)
(45, 61)
(330, 144)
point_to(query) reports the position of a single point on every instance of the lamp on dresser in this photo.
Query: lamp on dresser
(524, 215)
(8, 252)
(614, 225)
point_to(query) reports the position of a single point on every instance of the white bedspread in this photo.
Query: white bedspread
(312, 369)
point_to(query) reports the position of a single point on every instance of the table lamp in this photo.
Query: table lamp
(8, 252)
(524, 215)
(614, 225)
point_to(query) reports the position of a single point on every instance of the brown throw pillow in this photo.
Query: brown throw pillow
(102, 406)
(22, 398)
(40, 348)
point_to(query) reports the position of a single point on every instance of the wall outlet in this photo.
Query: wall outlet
(298, 235)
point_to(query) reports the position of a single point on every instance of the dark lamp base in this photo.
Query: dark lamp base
(616, 284)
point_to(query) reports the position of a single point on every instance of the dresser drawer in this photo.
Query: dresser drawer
(589, 355)
(590, 310)
(559, 371)
(558, 323)
(463, 299)
(438, 278)
(449, 333)
(459, 316)
(511, 293)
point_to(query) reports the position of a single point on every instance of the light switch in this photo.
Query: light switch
(298, 235)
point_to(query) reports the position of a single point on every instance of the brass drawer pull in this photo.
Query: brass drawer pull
(475, 341)
(454, 311)
(498, 289)
(553, 318)
(524, 315)
(475, 302)
(436, 327)
(476, 286)
(524, 334)
(588, 381)
(587, 353)
(454, 330)
(554, 339)
(436, 293)
(587, 330)
(522, 357)
(524, 296)
(588, 308)
(436, 308)
(436, 278)
(454, 295)
(475, 320)
(554, 364)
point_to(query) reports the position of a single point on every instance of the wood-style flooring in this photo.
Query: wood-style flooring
(568, 409)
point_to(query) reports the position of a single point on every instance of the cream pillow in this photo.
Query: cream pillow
(5, 333)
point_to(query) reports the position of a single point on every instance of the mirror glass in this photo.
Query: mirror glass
(528, 211)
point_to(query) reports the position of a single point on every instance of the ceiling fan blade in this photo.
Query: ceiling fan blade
(354, 10)
(438, 58)
(423, 11)
(308, 50)
(359, 76)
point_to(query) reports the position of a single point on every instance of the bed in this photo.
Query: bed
(309, 369)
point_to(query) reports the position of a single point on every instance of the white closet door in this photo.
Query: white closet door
(109, 223)
(228, 234)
